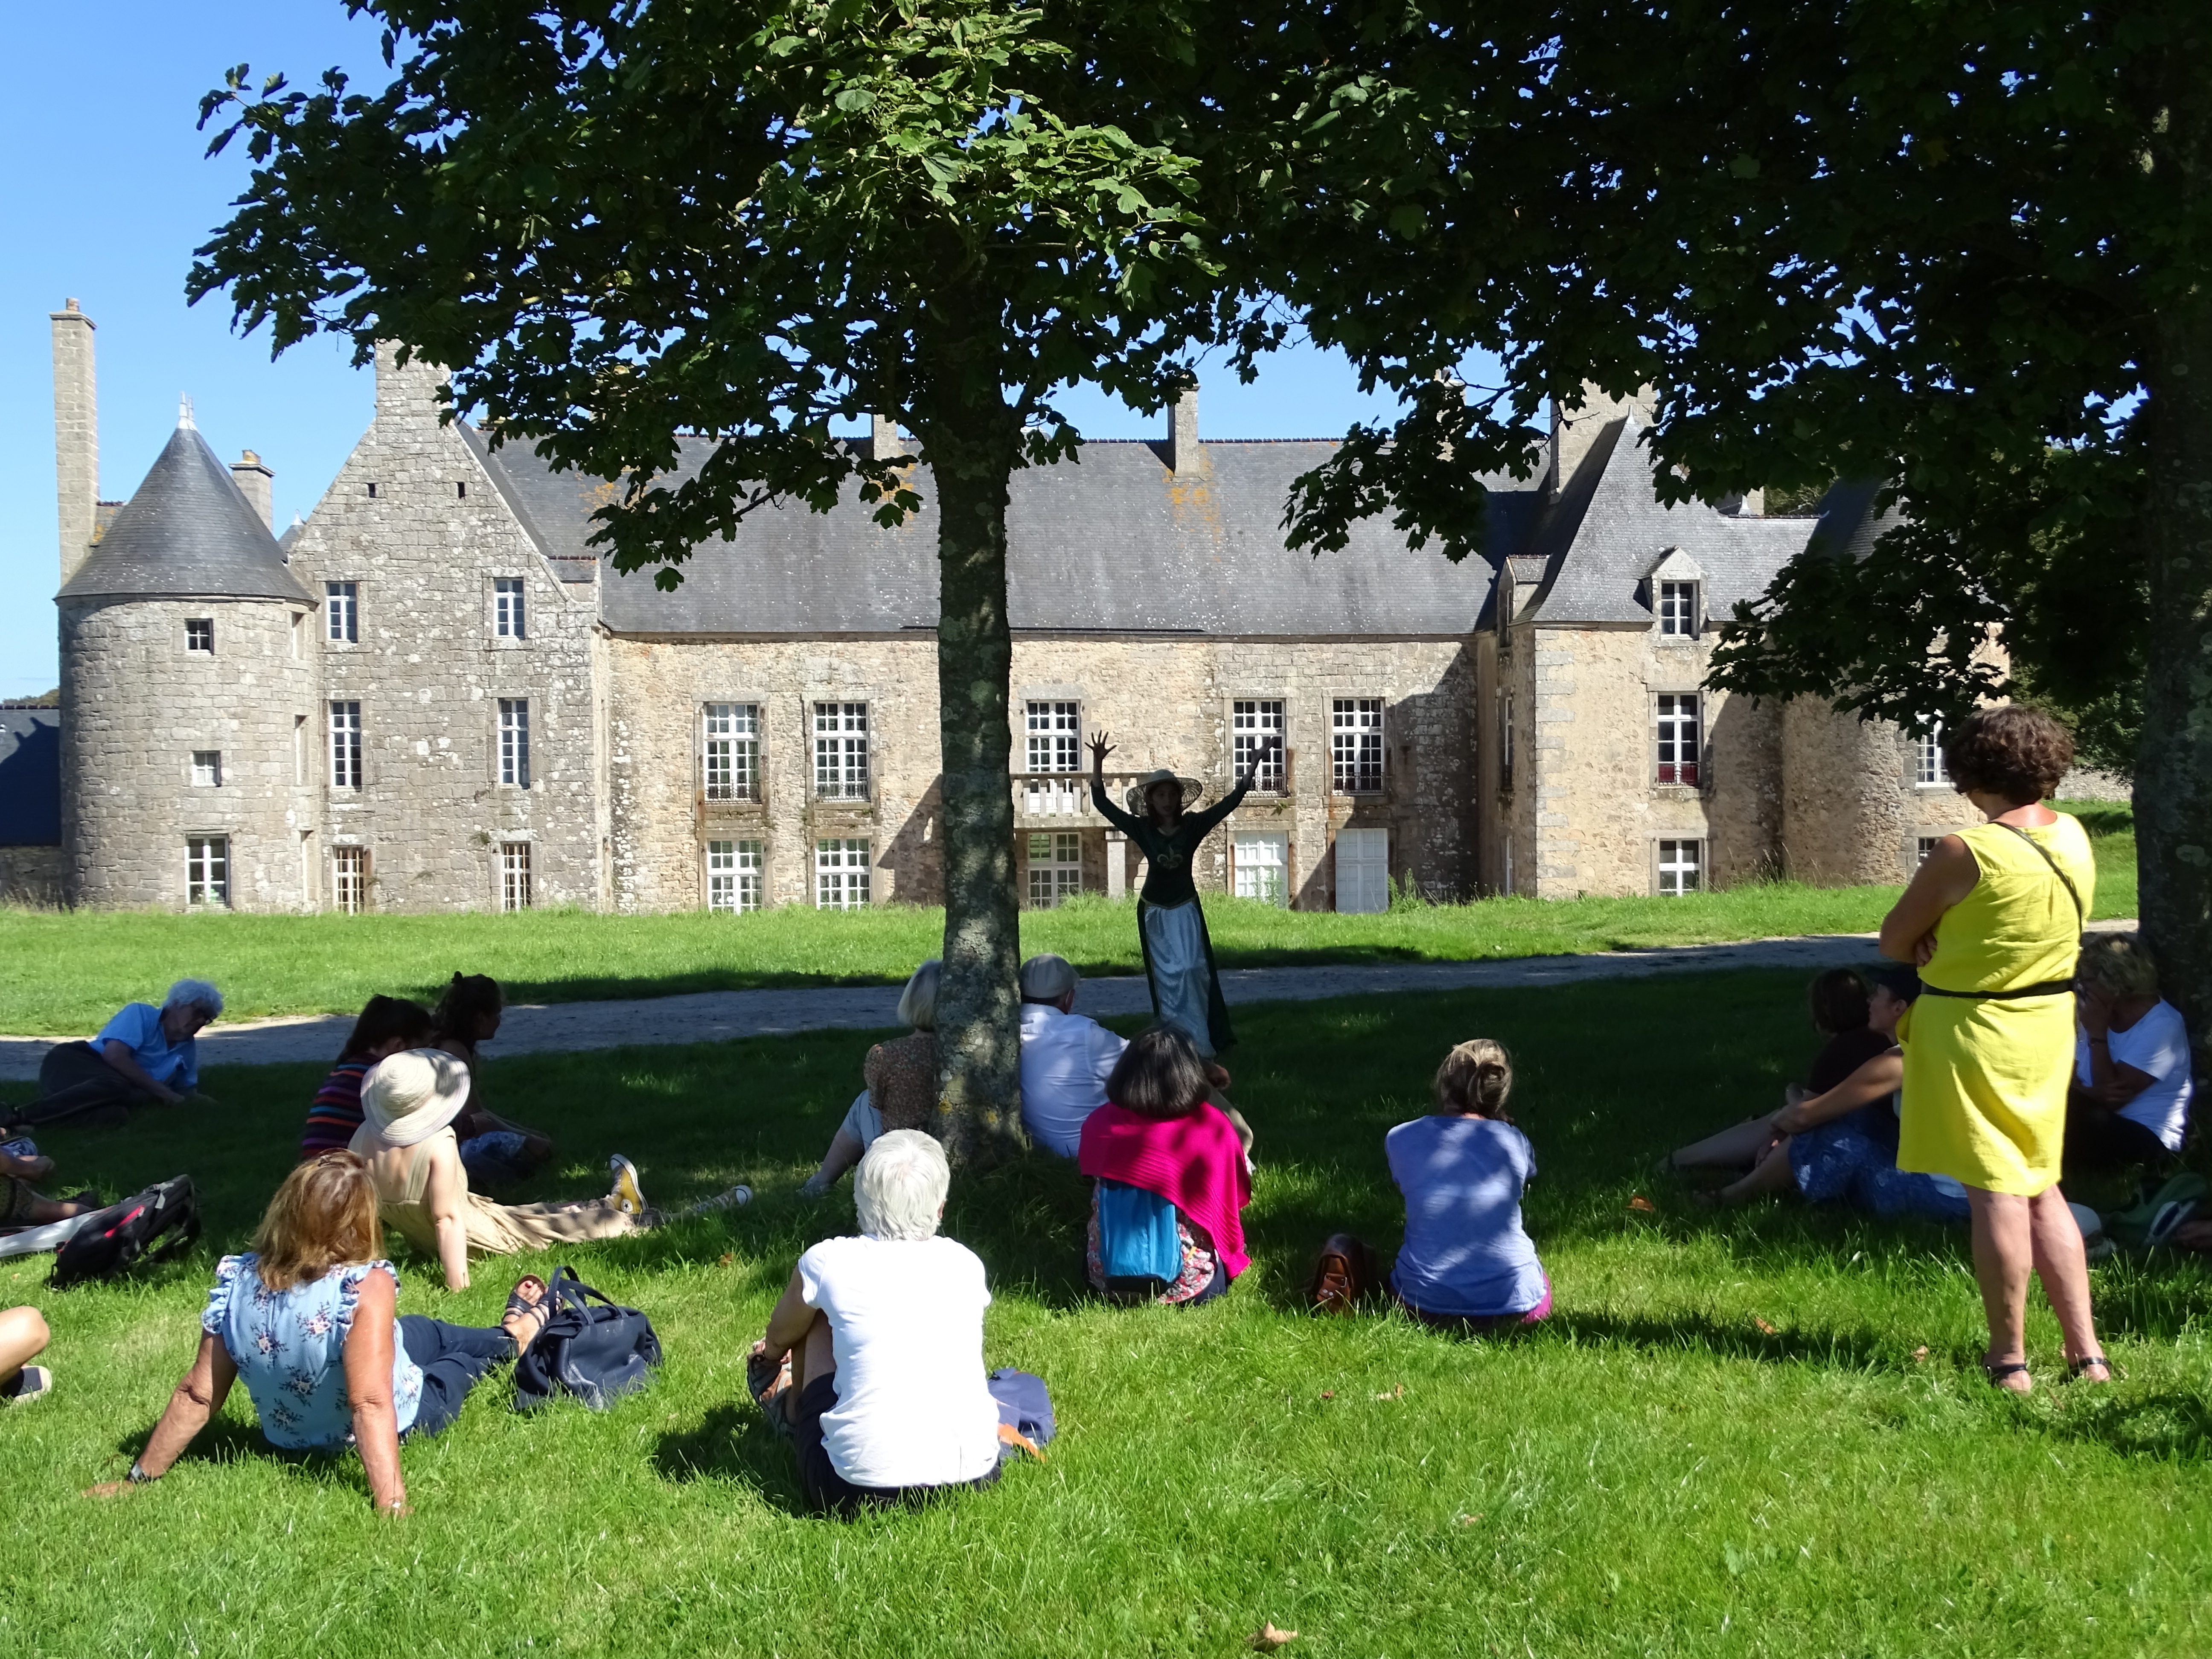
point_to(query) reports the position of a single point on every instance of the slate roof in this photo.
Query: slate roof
(1601, 539)
(188, 532)
(30, 777)
(1113, 542)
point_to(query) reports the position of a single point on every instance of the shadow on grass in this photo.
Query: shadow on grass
(734, 1443)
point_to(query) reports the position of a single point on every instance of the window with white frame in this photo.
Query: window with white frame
(514, 875)
(507, 618)
(1261, 859)
(1355, 745)
(731, 750)
(345, 745)
(199, 635)
(1928, 769)
(207, 869)
(1055, 736)
(1055, 868)
(1923, 845)
(207, 768)
(1678, 610)
(1681, 866)
(734, 876)
(515, 742)
(342, 612)
(841, 751)
(1252, 721)
(1679, 734)
(350, 878)
(840, 874)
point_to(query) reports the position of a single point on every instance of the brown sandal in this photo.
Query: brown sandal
(768, 1383)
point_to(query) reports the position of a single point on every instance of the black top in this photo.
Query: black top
(1845, 1053)
(1168, 854)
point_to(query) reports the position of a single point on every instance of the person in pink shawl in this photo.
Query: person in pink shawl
(1158, 1132)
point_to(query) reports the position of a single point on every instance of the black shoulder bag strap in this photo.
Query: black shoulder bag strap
(2050, 987)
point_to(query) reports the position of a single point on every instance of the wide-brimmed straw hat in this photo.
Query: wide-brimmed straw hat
(409, 1097)
(1192, 789)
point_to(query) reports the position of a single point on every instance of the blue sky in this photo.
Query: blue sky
(109, 194)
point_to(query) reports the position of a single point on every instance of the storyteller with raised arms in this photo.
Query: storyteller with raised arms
(1178, 954)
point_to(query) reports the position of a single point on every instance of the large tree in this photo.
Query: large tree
(621, 223)
(1957, 246)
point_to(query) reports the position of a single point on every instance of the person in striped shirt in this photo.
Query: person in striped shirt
(386, 1026)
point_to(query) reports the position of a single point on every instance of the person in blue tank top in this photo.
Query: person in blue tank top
(1466, 1261)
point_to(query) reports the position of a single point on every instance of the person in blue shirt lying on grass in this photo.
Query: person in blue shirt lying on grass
(144, 1055)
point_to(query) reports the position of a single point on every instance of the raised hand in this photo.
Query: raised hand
(1099, 749)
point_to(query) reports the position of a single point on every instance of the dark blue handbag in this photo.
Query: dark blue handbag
(590, 1348)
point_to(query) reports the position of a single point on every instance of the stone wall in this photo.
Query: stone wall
(429, 674)
(1163, 703)
(139, 704)
(1852, 810)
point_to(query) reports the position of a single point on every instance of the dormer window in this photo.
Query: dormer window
(1678, 610)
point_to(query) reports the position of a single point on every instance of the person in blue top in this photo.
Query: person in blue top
(144, 1055)
(309, 1320)
(1467, 1263)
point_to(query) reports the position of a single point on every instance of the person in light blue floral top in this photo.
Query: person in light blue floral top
(309, 1320)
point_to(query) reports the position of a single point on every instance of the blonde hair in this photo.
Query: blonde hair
(323, 1216)
(917, 1003)
(1475, 1079)
(2119, 963)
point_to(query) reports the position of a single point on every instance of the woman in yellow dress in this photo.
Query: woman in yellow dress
(1993, 921)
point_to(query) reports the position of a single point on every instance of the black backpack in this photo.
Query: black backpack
(589, 1348)
(159, 1223)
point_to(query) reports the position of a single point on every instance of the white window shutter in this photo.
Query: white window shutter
(1363, 871)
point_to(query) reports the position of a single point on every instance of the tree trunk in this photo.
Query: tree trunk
(978, 1005)
(2174, 771)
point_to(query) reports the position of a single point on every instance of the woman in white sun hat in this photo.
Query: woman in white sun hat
(409, 1102)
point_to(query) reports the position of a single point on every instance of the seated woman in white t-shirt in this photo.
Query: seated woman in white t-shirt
(1066, 1057)
(2130, 1101)
(873, 1360)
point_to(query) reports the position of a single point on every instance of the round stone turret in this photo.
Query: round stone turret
(189, 691)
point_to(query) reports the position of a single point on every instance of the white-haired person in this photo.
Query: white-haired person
(873, 1357)
(2132, 1081)
(1066, 1057)
(308, 1320)
(902, 1084)
(409, 1102)
(143, 1056)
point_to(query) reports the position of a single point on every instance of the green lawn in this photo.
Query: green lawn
(65, 973)
(1726, 1441)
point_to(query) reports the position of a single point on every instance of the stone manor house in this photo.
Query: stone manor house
(431, 695)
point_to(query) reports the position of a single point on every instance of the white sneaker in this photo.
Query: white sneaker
(738, 1194)
(628, 1196)
(30, 1382)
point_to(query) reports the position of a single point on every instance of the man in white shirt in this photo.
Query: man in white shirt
(1066, 1057)
(2130, 1104)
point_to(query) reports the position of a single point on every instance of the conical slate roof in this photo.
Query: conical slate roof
(189, 533)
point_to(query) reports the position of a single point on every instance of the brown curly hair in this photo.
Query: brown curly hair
(2019, 754)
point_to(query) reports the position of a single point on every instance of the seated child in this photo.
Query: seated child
(1466, 1261)
(388, 1025)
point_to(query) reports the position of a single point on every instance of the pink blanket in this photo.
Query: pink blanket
(1195, 1163)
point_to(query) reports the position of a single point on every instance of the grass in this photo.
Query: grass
(64, 973)
(1726, 1441)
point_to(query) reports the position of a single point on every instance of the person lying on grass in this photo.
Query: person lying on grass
(306, 1319)
(872, 1361)
(495, 1151)
(902, 1084)
(144, 1056)
(386, 1026)
(1467, 1262)
(1838, 1146)
(1159, 1133)
(2130, 1101)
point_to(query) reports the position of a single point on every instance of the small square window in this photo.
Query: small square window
(1678, 610)
(207, 869)
(507, 618)
(342, 612)
(1055, 868)
(1252, 721)
(840, 875)
(1922, 846)
(207, 768)
(1682, 867)
(199, 635)
(514, 875)
(734, 876)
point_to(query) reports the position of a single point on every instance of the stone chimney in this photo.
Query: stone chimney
(1574, 431)
(254, 479)
(77, 436)
(1183, 453)
(410, 391)
(884, 440)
